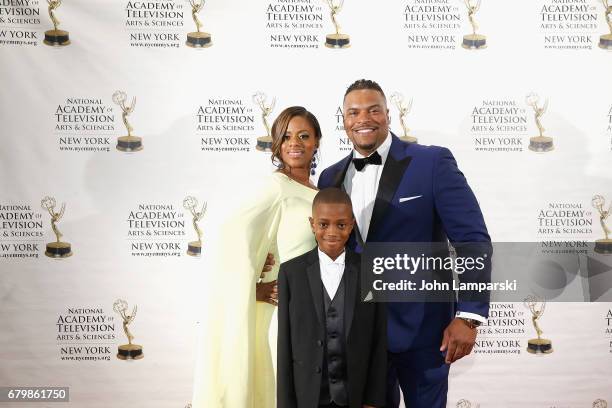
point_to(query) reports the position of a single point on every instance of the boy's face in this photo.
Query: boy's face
(332, 224)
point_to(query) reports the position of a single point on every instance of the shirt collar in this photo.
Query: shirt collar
(326, 260)
(383, 150)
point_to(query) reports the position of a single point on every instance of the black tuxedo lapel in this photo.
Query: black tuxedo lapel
(392, 174)
(351, 276)
(338, 182)
(313, 272)
(356, 235)
(339, 176)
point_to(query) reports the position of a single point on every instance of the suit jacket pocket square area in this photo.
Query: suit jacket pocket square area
(404, 199)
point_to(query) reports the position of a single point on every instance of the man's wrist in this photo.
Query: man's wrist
(475, 316)
(471, 323)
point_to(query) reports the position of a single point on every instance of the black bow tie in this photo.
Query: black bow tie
(374, 158)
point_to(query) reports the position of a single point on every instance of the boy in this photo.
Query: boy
(331, 346)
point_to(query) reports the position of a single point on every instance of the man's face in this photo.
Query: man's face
(332, 225)
(366, 119)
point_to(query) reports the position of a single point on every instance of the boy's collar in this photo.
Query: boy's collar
(324, 258)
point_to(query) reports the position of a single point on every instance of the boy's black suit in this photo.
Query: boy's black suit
(303, 338)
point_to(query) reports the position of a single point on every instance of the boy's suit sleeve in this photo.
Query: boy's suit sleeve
(375, 390)
(285, 386)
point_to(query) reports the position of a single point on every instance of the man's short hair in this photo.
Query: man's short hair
(332, 195)
(364, 84)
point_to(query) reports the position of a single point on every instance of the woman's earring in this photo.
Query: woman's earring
(313, 162)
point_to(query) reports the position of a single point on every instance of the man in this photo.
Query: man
(409, 193)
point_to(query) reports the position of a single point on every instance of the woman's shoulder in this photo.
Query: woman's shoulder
(290, 187)
(281, 178)
(268, 189)
(272, 190)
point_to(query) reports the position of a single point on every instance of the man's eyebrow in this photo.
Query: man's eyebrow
(376, 105)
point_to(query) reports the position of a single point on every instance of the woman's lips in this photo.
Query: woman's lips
(295, 154)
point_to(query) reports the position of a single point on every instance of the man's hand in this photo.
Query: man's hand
(458, 340)
(267, 292)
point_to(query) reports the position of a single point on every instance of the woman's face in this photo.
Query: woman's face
(299, 143)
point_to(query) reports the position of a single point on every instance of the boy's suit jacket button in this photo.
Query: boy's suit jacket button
(318, 370)
(319, 343)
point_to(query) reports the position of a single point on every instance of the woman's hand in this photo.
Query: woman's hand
(267, 292)
(268, 264)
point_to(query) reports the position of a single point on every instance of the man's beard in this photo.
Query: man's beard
(370, 147)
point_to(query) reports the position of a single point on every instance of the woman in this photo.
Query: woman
(235, 369)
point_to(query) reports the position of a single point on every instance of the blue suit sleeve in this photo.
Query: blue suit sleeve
(455, 202)
(464, 225)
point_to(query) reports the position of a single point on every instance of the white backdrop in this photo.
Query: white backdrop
(103, 188)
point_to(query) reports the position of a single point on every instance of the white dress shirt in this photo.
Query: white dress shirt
(363, 185)
(331, 272)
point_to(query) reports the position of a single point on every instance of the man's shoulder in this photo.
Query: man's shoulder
(334, 168)
(425, 151)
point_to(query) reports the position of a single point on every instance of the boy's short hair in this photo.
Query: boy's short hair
(332, 195)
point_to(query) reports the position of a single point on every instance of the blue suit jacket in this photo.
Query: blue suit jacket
(447, 209)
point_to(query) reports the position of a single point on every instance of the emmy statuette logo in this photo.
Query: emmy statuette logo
(57, 249)
(600, 403)
(129, 143)
(264, 143)
(55, 37)
(603, 246)
(473, 41)
(404, 109)
(540, 345)
(463, 403)
(605, 40)
(190, 203)
(539, 143)
(336, 40)
(128, 351)
(197, 39)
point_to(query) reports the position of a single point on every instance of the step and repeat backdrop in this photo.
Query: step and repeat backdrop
(130, 128)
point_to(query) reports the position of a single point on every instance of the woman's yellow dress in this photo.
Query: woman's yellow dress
(234, 367)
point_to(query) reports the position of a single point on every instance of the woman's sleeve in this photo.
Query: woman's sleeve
(224, 367)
